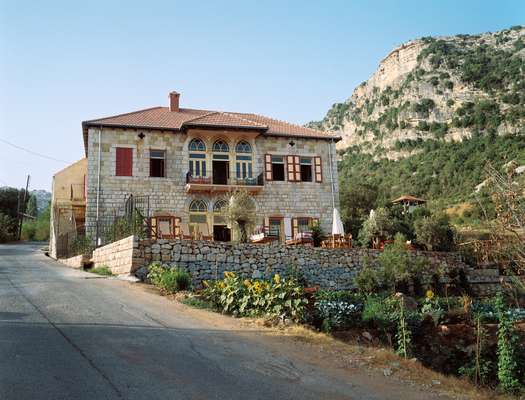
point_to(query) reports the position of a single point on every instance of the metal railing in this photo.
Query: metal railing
(209, 180)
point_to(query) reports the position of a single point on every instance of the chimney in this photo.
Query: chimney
(174, 101)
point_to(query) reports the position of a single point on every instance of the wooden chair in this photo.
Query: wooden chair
(204, 232)
(185, 232)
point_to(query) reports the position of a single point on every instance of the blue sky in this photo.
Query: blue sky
(64, 62)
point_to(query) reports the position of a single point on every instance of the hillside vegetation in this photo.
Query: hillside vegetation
(431, 117)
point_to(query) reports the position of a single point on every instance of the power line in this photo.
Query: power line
(33, 152)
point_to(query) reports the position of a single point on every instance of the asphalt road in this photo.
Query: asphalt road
(67, 334)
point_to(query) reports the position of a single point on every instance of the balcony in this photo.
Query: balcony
(77, 193)
(214, 184)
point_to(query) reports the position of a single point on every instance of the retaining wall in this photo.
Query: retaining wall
(328, 268)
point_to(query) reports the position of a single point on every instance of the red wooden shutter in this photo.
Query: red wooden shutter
(290, 168)
(297, 167)
(124, 161)
(268, 167)
(318, 169)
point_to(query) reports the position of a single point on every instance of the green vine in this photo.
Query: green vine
(507, 342)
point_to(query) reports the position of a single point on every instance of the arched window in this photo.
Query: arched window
(243, 147)
(220, 146)
(198, 219)
(197, 145)
(197, 158)
(243, 164)
(219, 205)
(198, 206)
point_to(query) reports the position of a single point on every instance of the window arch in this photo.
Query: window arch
(197, 158)
(243, 147)
(198, 206)
(243, 161)
(197, 145)
(221, 146)
(219, 205)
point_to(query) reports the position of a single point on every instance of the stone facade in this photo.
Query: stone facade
(168, 195)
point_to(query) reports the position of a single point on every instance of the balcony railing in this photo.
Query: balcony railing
(210, 183)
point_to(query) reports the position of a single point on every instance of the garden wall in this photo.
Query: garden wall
(328, 268)
(121, 257)
(76, 262)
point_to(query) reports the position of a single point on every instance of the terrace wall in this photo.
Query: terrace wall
(328, 268)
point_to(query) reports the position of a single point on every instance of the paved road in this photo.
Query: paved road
(67, 334)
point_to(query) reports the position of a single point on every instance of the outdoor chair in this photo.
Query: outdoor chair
(204, 232)
(185, 232)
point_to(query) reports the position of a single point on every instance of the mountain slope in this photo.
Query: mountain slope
(433, 113)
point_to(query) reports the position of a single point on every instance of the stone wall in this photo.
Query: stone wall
(328, 268)
(121, 257)
(168, 195)
(76, 262)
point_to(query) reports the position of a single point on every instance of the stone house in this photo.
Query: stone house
(68, 207)
(184, 161)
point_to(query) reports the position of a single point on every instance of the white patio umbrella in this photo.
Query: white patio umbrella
(337, 224)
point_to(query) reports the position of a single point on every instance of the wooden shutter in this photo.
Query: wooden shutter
(268, 167)
(318, 169)
(177, 231)
(295, 227)
(297, 167)
(124, 161)
(290, 168)
(266, 226)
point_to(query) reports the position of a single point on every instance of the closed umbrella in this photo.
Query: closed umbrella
(337, 224)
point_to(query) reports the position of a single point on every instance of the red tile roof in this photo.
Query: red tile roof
(164, 119)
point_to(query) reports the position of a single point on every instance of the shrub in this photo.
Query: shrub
(169, 280)
(394, 267)
(381, 312)
(367, 280)
(378, 226)
(7, 228)
(101, 270)
(435, 233)
(81, 245)
(276, 298)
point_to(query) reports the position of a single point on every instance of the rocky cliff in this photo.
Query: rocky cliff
(436, 88)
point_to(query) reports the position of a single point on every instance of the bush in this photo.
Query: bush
(435, 233)
(378, 226)
(101, 270)
(394, 268)
(169, 280)
(276, 298)
(7, 228)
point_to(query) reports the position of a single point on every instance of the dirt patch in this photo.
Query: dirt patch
(350, 353)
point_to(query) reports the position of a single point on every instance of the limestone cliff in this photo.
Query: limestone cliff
(442, 88)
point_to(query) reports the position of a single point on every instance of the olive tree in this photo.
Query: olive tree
(239, 212)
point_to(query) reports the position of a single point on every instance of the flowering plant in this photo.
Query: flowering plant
(276, 297)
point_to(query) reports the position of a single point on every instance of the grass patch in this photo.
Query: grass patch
(197, 302)
(102, 270)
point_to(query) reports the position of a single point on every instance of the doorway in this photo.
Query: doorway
(221, 233)
(221, 172)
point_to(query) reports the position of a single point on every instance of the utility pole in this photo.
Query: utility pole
(21, 215)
